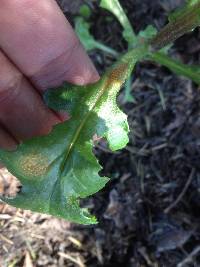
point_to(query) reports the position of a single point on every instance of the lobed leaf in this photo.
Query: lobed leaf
(82, 28)
(59, 169)
(190, 71)
(116, 9)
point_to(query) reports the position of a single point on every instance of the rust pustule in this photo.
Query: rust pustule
(33, 164)
(118, 74)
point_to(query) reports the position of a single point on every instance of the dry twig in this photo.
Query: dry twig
(189, 258)
(174, 204)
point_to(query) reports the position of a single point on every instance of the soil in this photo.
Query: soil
(149, 212)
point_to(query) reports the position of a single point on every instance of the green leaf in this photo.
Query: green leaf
(115, 8)
(82, 29)
(192, 2)
(148, 32)
(59, 169)
(185, 20)
(191, 72)
(85, 11)
(129, 35)
(182, 10)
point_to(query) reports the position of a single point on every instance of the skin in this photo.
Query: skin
(38, 50)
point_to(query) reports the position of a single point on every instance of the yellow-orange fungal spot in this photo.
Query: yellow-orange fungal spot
(117, 75)
(33, 164)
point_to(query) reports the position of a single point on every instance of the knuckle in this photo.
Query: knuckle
(53, 72)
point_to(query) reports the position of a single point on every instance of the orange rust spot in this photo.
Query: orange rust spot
(117, 74)
(33, 164)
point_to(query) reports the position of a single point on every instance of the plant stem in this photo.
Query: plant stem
(128, 97)
(184, 23)
(192, 72)
(106, 49)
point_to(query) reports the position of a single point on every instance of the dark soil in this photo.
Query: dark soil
(149, 213)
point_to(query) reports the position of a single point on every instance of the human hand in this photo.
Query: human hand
(38, 50)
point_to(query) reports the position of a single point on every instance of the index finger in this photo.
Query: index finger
(42, 44)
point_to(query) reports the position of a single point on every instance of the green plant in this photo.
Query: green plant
(161, 57)
(59, 169)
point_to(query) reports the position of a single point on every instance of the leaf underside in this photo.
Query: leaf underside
(59, 169)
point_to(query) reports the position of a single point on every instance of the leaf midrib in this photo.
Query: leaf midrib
(106, 84)
(81, 126)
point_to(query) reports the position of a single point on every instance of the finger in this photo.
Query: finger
(41, 42)
(22, 111)
(6, 140)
